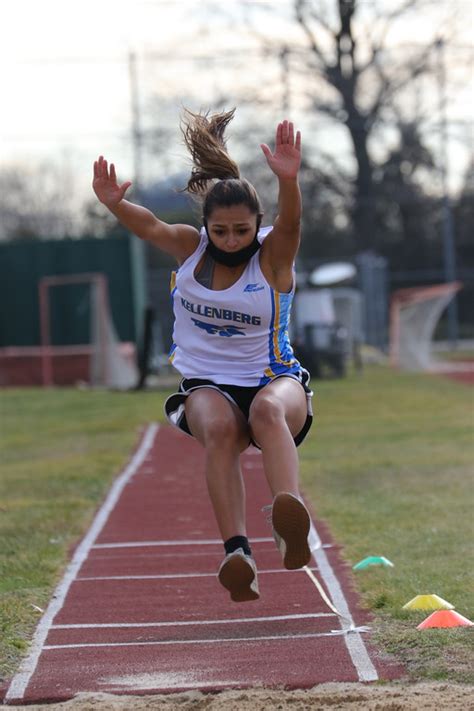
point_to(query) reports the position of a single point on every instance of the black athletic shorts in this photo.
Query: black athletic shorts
(238, 395)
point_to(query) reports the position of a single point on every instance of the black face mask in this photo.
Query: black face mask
(233, 259)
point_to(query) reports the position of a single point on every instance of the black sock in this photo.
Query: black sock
(235, 542)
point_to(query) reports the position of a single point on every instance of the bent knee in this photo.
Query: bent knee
(217, 432)
(266, 410)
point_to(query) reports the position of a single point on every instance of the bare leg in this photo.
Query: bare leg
(279, 412)
(221, 428)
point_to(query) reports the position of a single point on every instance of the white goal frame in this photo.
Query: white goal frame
(108, 367)
(45, 284)
(404, 299)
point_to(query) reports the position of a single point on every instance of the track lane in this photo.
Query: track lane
(140, 605)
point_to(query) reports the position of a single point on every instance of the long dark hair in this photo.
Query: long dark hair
(215, 177)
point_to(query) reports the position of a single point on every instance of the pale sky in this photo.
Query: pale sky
(65, 83)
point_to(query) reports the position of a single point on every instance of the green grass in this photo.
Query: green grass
(60, 450)
(388, 465)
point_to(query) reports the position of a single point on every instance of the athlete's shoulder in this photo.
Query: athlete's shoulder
(195, 245)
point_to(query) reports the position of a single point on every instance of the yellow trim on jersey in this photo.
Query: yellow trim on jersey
(173, 281)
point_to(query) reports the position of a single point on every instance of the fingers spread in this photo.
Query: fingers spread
(278, 138)
(285, 134)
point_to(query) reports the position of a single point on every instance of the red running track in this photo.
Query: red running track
(140, 609)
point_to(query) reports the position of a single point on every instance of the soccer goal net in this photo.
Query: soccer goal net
(110, 362)
(414, 314)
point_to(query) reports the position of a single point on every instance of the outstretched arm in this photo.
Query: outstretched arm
(283, 241)
(178, 240)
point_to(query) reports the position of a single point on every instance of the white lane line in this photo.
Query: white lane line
(172, 576)
(221, 640)
(194, 623)
(21, 679)
(193, 542)
(354, 642)
(159, 555)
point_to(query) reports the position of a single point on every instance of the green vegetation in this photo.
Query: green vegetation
(60, 450)
(387, 465)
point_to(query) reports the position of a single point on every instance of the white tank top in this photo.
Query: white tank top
(234, 336)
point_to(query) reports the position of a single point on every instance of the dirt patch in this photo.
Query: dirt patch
(383, 697)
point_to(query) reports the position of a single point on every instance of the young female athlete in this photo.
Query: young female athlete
(232, 297)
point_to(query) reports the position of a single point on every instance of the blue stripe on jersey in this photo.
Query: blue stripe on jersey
(279, 369)
(285, 351)
(280, 353)
(171, 353)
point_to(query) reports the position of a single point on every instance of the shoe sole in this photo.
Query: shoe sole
(237, 576)
(291, 521)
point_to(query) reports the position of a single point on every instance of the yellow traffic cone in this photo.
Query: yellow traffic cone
(428, 602)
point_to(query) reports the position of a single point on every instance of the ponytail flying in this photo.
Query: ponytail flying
(215, 177)
(204, 139)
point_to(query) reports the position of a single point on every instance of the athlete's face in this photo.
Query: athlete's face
(232, 228)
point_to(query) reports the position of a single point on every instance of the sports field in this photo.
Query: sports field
(388, 466)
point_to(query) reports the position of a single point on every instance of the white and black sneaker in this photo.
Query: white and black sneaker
(291, 525)
(238, 574)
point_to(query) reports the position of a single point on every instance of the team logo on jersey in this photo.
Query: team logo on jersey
(226, 331)
(254, 287)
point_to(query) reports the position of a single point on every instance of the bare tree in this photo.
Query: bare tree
(342, 51)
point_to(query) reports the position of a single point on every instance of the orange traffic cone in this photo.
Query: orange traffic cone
(445, 618)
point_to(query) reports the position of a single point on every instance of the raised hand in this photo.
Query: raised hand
(285, 161)
(105, 183)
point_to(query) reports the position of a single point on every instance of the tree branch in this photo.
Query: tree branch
(300, 18)
(388, 19)
(408, 71)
